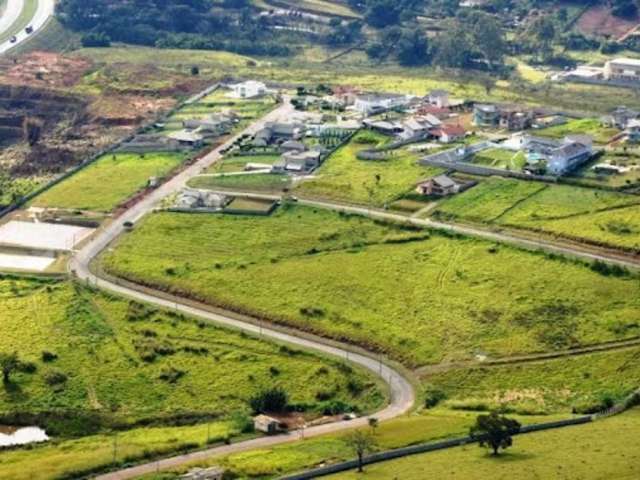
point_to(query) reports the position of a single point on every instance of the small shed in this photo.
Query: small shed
(266, 424)
(212, 473)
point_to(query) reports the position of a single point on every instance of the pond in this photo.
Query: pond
(12, 436)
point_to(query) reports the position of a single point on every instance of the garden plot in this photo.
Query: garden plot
(42, 236)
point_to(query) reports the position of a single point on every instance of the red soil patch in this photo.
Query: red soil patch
(599, 21)
(44, 69)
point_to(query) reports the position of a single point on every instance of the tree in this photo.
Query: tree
(9, 363)
(362, 443)
(32, 130)
(494, 431)
(413, 48)
(273, 399)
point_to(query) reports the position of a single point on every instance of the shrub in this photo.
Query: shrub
(48, 356)
(433, 396)
(55, 377)
(274, 399)
(242, 422)
(171, 375)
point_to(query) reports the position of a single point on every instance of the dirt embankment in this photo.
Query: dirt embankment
(598, 21)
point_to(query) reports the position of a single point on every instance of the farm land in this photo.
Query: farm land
(92, 355)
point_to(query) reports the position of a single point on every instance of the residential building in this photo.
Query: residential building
(623, 69)
(438, 98)
(632, 132)
(515, 119)
(384, 126)
(216, 124)
(277, 132)
(419, 125)
(249, 89)
(302, 161)
(440, 186)
(486, 115)
(187, 138)
(561, 156)
(377, 103)
(449, 133)
(293, 146)
(620, 117)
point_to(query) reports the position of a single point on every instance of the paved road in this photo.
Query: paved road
(401, 390)
(42, 15)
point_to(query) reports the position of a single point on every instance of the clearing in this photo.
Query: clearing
(391, 288)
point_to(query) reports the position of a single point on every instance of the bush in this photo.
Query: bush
(242, 422)
(274, 399)
(55, 377)
(49, 356)
(433, 396)
(171, 375)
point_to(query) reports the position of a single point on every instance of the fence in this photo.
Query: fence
(112, 148)
(424, 448)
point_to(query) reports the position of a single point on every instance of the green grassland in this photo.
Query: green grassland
(259, 182)
(418, 297)
(596, 450)
(592, 215)
(586, 126)
(112, 350)
(343, 176)
(583, 383)
(500, 158)
(237, 163)
(108, 181)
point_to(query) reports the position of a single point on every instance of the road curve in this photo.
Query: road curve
(402, 396)
(45, 10)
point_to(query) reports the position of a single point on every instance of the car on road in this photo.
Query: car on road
(13, 39)
(29, 29)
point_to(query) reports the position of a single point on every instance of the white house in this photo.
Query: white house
(438, 98)
(377, 103)
(248, 89)
(626, 69)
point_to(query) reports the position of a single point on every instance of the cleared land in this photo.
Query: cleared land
(108, 181)
(259, 182)
(391, 289)
(343, 176)
(238, 162)
(585, 126)
(597, 450)
(601, 217)
(102, 363)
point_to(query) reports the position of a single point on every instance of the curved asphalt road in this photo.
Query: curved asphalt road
(401, 390)
(42, 15)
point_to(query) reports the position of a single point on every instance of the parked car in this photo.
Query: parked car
(128, 225)
(13, 39)
(29, 29)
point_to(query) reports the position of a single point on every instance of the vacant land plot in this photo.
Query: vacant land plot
(259, 182)
(114, 361)
(583, 384)
(596, 450)
(237, 163)
(343, 176)
(108, 181)
(419, 299)
(586, 126)
(592, 215)
(626, 158)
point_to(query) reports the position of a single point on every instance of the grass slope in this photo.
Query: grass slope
(108, 181)
(419, 299)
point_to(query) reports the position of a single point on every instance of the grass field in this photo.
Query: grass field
(597, 450)
(259, 182)
(343, 176)
(587, 214)
(584, 384)
(499, 158)
(108, 181)
(586, 126)
(400, 293)
(110, 351)
(237, 163)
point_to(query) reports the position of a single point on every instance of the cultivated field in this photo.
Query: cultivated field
(259, 182)
(596, 450)
(394, 290)
(596, 216)
(108, 181)
(343, 176)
